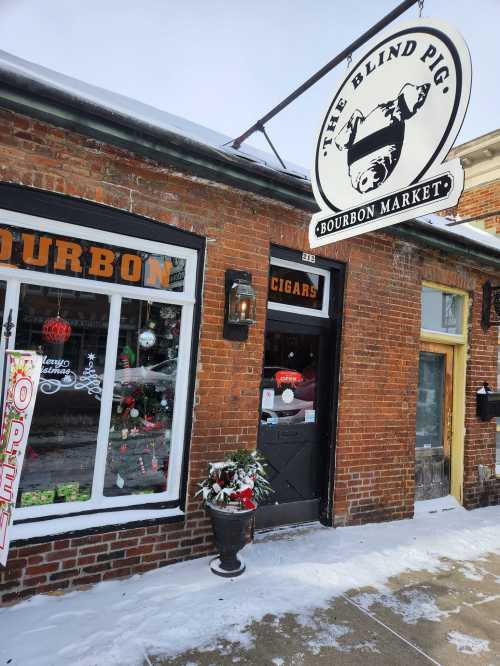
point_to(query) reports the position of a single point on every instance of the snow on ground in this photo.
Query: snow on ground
(185, 606)
(414, 606)
(468, 644)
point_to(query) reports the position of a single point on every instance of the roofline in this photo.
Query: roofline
(44, 102)
(473, 146)
(446, 241)
(41, 101)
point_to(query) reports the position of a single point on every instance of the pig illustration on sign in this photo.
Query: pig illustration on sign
(288, 377)
(374, 142)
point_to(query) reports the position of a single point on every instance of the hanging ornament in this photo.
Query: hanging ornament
(124, 433)
(56, 329)
(134, 413)
(154, 463)
(147, 337)
(123, 449)
(141, 465)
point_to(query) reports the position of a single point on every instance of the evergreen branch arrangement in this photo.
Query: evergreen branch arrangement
(237, 483)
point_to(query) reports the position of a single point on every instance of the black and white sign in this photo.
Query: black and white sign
(380, 152)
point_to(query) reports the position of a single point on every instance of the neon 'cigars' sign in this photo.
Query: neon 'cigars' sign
(392, 121)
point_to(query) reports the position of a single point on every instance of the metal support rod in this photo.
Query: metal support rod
(396, 12)
(471, 219)
(263, 130)
(8, 326)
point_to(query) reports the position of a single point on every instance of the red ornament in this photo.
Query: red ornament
(56, 329)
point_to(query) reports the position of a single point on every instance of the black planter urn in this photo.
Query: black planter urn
(230, 531)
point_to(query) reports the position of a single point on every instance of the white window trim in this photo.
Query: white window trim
(310, 312)
(64, 524)
(14, 277)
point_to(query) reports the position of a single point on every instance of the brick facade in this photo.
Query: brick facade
(479, 200)
(379, 358)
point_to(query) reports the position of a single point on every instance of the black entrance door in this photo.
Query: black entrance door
(294, 419)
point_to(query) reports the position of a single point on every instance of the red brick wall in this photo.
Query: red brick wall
(479, 200)
(64, 562)
(379, 356)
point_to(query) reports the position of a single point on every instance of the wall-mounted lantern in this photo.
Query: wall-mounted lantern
(240, 305)
(491, 305)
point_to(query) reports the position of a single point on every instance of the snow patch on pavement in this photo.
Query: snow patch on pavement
(184, 606)
(325, 634)
(472, 572)
(468, 644)
(446, 503)
(412, 605)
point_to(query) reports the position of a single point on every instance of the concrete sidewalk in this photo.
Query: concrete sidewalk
(449, 618)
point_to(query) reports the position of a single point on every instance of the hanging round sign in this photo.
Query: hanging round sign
(387, 131)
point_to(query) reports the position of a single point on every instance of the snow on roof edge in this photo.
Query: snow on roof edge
(120, 105)
(464, 232)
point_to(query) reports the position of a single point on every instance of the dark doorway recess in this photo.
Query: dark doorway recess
(299, 400)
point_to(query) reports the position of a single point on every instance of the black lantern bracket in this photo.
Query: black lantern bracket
(239, 310)
(491, 302)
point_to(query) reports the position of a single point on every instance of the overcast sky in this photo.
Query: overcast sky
(224, 63)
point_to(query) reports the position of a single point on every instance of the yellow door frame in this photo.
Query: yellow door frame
(459, 343)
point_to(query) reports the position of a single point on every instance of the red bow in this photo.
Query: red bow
(245, 497)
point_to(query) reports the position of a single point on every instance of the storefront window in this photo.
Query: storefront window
(106, 312)
(143, 399)
(442, 311)
(69, 328)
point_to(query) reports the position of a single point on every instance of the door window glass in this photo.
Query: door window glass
(442, 311)
(143, 399)
(290, 378)
(430, 398)
(296, 287)
(69, 328)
